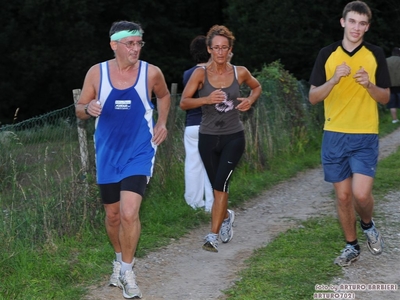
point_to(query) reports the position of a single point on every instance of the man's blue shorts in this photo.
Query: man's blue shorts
(344, 154)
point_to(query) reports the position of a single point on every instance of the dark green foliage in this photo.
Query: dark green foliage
(294, 31)
(282, 121)
(48, 46)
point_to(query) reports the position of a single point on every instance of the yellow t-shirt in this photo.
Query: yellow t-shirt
(349, 108)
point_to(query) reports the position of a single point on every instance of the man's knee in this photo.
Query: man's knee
(363, 199)
(113, 217)
(129, 216)
(344, 198)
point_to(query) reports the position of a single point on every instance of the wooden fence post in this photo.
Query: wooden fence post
(82, 137)
(83, 148)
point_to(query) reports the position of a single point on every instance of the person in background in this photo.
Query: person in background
(221, 133)
(351, 76)
(118, 93)
(198, 190)
(394, 72)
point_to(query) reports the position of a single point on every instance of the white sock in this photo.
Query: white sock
(126, 267)
(118, 256)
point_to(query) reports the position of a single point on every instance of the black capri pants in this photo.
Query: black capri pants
(220, 155)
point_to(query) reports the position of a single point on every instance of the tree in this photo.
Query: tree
(294, 31)
(48, 45)
(44, 43)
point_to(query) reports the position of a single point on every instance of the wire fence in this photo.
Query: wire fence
(48, 173)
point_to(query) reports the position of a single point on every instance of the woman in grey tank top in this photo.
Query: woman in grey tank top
(221, 137)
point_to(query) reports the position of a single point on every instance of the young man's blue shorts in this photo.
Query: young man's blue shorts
(344, 154)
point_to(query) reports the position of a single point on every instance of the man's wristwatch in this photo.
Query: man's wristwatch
(86, 111)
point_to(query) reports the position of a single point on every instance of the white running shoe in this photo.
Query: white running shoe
(127, 282)
(349, 255)
(375, 241)
(226, 231)
(115, 274)
(211, 242)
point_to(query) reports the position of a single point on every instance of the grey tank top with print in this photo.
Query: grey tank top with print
(222, 118)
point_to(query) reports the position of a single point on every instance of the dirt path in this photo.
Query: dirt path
(183, 271)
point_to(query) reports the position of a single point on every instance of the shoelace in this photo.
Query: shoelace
(130, 278)
(117, 267)
(116, 270)
(210, 237)
(347, 250)
(225, 229)
(372, 235)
